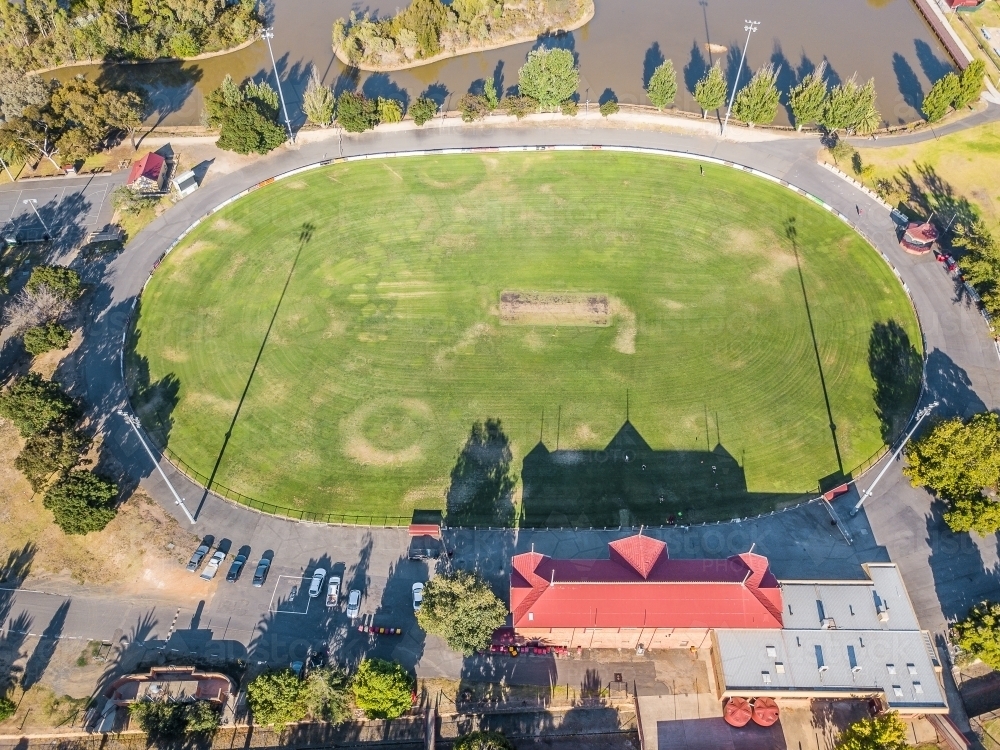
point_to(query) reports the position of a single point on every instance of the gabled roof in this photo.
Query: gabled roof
(149, 166)
(922, 233)
(640, 586)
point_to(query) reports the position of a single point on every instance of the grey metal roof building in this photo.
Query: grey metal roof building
(840, 639)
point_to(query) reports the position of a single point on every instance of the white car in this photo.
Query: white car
(213, 566)
(418, 596)
(353, 603)
(333, 591)
(316, 585)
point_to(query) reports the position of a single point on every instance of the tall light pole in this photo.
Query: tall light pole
(921, 416)
(134, 423)
(751, 27)
(34, 207)
(268, 35)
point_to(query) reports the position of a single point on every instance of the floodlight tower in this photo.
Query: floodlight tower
(750, 28)
(268, 35)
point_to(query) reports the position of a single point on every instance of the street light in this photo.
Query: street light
(134, 423)
(33, 203)
(751, 27)
(268, 35)
(921, 415)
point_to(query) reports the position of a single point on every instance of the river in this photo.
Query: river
(617, 50)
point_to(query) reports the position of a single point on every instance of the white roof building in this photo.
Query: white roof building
(840, 639)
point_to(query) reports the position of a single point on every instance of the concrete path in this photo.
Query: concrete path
(990, 114)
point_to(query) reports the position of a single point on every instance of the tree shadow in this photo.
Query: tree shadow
(40, 658)
(695, 69)
(558, 40)
(734, 58)
(607, 96)
(907, 82)
(897, 368)
(347, 81)
(653, 59)
(950, 386)
(379, 85)
(153, 403)
(786, 79)
(165, 86)
(14, 631)
(293, 81)
(437, 93)
(934, 67)
(482, 483)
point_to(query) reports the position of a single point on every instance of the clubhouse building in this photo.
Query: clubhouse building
(768, 638)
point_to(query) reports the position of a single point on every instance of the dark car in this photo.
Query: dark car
(260, 575)
(236, 568)
(197, 557)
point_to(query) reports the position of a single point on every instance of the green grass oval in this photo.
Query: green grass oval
(388, 341)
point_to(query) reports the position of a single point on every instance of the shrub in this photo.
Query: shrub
(941, 96)
(170, 721)
(389, 110)
(382, 689)
(276, 698)
(49, 452)
(81, 502)
(978, 635)
(63, 281)
(662, 87)
(34, 405)
(245, 130)
(461, 608)
(610, 107)
(318, 102)
(128, 201)
(355, 113)
(7, 708)
(45, 338)
(473, 107)
(569, 108)
(483, 740)
(518, 106)
(490, 94)
(841, 151)
(549, 76)
(423, 109)
(326, 695)
(886, 732)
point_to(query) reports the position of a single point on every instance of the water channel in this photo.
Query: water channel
(885, 39)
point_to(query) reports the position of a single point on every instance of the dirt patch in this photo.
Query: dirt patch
(224, 225)
(358, 448)
(173, 355)
(625, 340)
(716, 49)
(46, 364)
(184, 252)
(469, 338)
(555, 309)
(295, 184)
(672, 304)
(584, 434)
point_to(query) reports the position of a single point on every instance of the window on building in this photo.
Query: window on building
(897, 691)
(918, 688)
(771, 651)
(890, 668)
(779, 667)
(766, 677)
(531, 615)
(820, 663)
(911, 668)
(853, 659)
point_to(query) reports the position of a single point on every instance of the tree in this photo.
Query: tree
(162, 720)
(852, 107)
(483, 740)
(473, 107)
(45, 338)
(355, 113)
(490, 94)
(610, 107)
(865, 118)
(461, 608)
(318, 102)
(33, 308)
(33, 405)
(970, 84)
(34, 131)
(757, 102)
(973, 513)
(246, 131)
(808, 99)
(662, 87)
(63, 281)
(49, 452)
(886, 732)
(123, 110)
(17, 91)
(549, 76)
(978, 635)
(423, 109)
(981, 265)
(389, 110)
(518, 106)
(326, 695)
(941, 96)
(382, 689)
(277, 698)
(7, 708)
(129, 201)
(710, 91)
(81, 502)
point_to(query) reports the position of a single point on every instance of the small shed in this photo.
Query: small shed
(185, 183)
(965, 5)
(148, 174)
(919, 238)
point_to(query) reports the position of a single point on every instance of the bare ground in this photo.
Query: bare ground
(555, 309)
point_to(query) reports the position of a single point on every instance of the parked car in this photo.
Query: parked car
(353, 603)
(197, 557)
(213, 565)
(418, 596)
(319, 575)
(236, 568)
(298, 669)
(333, 591)
(260, 575)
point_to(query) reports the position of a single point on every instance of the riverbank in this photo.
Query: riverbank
(154, 61)
(587, 16)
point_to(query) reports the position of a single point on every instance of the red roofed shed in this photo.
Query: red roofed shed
(148, 174)
(639, 595)
(919, 238)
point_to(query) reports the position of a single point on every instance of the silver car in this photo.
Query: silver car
(316, 585)
(213, 566)
(353, 603)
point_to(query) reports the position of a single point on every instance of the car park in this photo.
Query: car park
(353, 603)
(260, 575)
(418, 595)
(197, 557)
(213, 565)
(316, 585)
(236, 568)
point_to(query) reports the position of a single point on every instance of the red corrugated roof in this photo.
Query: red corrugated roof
(638, 587)
(149, 166)
(921, 233)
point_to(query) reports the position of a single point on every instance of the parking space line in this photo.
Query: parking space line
(277, 584)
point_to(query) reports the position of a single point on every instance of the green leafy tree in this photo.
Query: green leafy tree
(326, 693)
(162, 720)
(941, 96)
(461, 608)
(425, 18)
(483, 740)
(355, 113)
(277, 698)
(981, 264)
(978, 635)
(886, 732)
(970, 84)
(17, 91)
(382, 689)
(852, 107)
(389, 110)
(45, 338)
(757, 102)
(34, 405)
(318, 102)
(610, 107)
(662, 87)
(63, 281)
(865, 117)
(973, 513)
(710, 91)
(518, 106)
(49, 452)
(473, 107)
(245, 130)
(81, 502)
(549, 76)
(123, 110)
(569, 108)
(131, 202)
(423, 109)
(490, 94)
(7, 708)
(808, 99)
